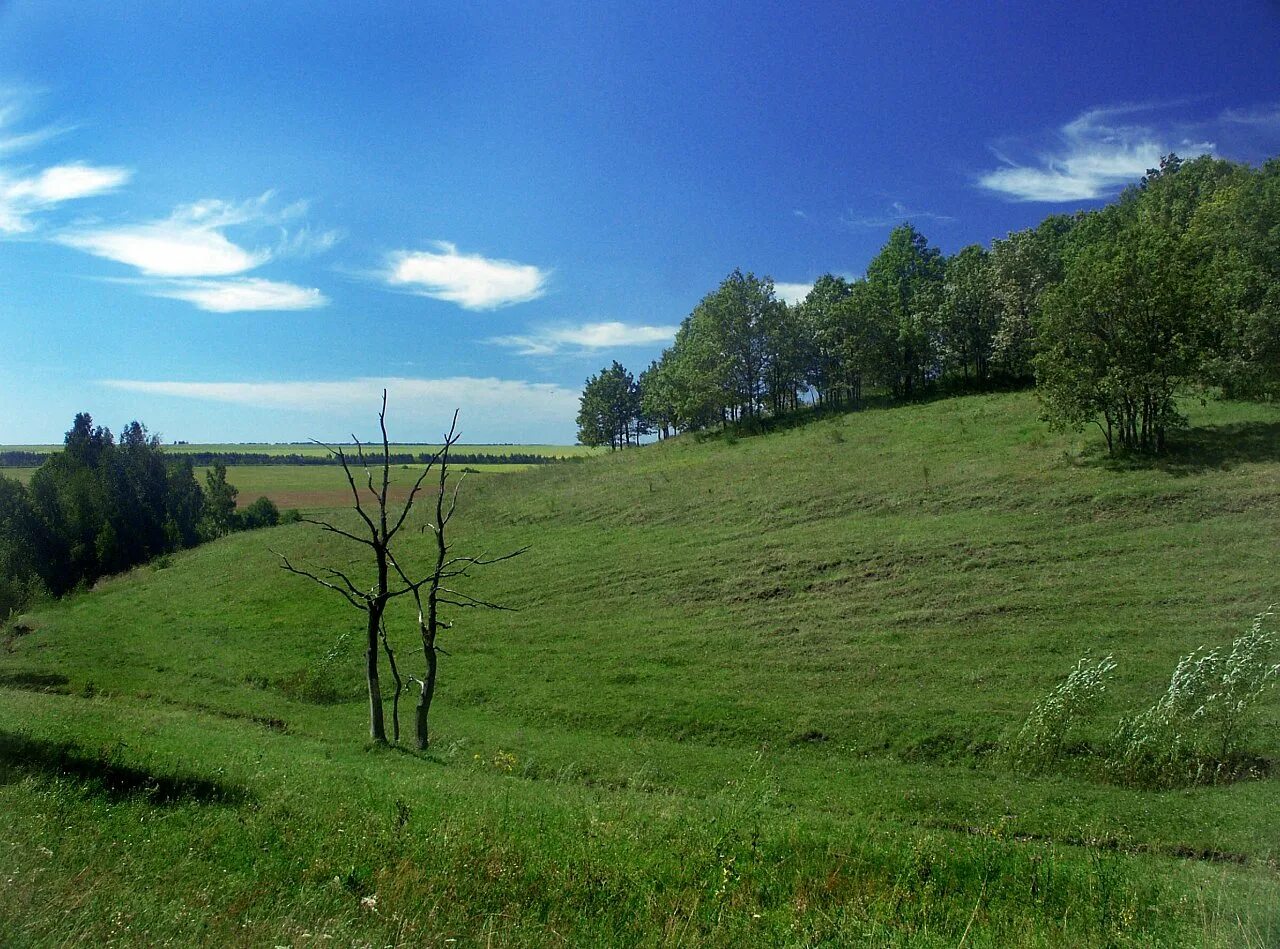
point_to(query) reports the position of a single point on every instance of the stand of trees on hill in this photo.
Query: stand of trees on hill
(1111, 313)
(103, 505)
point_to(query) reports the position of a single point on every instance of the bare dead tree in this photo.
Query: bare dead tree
(381, 530)
(432, 588)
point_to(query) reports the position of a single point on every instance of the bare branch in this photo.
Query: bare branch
(467, 600)
(336, 530)
(386, 463)
(411, 586)
(364, 462)
(453, 502)
(346, 580)
(324, 583)
(355, 492)
(413, 493)
(483, 561)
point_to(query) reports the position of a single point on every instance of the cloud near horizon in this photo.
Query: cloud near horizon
(1096, 155)
(471, 281)
(585, 337)
(488, 402)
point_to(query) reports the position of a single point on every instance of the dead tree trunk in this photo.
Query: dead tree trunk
(377, 724)
(395, 676)
(374, 599)
(446, 569)
(380, 533)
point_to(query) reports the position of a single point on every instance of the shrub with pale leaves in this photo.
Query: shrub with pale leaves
(1044, 736)
(1197, 732)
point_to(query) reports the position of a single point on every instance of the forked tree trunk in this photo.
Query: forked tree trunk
(422, 736)
(377, 723)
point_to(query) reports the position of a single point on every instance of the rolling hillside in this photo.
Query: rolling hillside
(754, 693)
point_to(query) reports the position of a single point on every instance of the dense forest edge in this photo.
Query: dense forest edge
(103, 505)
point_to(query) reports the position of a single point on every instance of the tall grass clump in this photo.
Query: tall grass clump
(1043, 738)
(323, 682)
(1198, 732)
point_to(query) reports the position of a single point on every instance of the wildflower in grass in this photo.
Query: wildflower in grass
(370, 902)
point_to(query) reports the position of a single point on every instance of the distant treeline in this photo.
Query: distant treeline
(1111, 313)
(101, 506)
(205, 459)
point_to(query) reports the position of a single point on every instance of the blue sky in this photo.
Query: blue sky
(238, 221)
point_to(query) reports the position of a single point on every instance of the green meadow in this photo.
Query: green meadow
(306, 487)
(755, 693)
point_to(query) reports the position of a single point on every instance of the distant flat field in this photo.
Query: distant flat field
(315, 487)
(310, 487)
(312, 449)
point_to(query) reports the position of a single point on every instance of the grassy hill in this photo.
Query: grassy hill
(754, 694)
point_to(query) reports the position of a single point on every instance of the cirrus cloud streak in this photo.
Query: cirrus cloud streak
(585, 337)
(189, 256)
(241, 294)
(503, 409)
(1095, 155)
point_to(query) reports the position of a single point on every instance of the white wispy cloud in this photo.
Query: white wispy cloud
(1094, 156)
(27, 191)
(469, 280)
(172, 248)
(504, 409)
(21, 198)
(586, 336)
(305, 242)
(894, 214)
(1263, 116)
(791, 293)
(191, 242)
(240, 294)
(190, 256)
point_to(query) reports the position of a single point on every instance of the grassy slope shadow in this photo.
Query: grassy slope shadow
(21, 755)
(1206, 448)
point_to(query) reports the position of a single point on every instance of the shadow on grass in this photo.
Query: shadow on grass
(1197, 450)
(21, 756)
(34, 681)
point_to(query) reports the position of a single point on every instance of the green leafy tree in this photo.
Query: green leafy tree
(610, 411)
(969, 316)
(1132, 322)
(905, 278)
(1236, 233)
(261, 513)
(219, 503)
(24, 549)
(658, 402)
(820, 321)
(1023, 267)
(787, 356)
(1120, 335)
